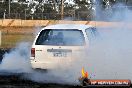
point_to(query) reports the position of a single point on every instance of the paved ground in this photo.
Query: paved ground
(13, 81)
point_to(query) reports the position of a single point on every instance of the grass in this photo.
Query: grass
(10, 40)
(12, 36)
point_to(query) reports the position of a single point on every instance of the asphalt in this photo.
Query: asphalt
(13, 81)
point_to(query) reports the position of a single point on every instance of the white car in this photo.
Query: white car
(61, 43)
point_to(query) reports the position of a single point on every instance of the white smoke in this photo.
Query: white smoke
(110, 58)
(17, 60)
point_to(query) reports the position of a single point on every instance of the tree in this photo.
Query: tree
(85, 9)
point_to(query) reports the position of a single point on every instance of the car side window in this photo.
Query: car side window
(43, 37)
(91, 34)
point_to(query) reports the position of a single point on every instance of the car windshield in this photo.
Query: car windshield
(64, 37)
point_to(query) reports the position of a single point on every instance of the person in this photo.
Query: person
(60, 38)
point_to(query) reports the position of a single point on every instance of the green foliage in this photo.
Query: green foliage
(52, 9)
(81, 2)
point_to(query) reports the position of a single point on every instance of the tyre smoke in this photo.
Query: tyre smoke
(17, 60)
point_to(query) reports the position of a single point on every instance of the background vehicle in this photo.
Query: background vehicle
(60, 44)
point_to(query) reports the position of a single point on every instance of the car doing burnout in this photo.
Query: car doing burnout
(61, 43)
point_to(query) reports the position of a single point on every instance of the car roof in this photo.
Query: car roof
(68, 26)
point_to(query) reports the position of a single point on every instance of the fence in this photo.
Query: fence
(40, 23)
(79, 15)
(45, 16)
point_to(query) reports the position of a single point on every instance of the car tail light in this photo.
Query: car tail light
(33, 52)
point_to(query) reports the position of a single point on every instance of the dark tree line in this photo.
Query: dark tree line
(81, 9)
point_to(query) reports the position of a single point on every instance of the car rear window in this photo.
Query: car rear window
(64, 37)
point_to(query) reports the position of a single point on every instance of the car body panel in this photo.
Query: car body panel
(50, 56)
